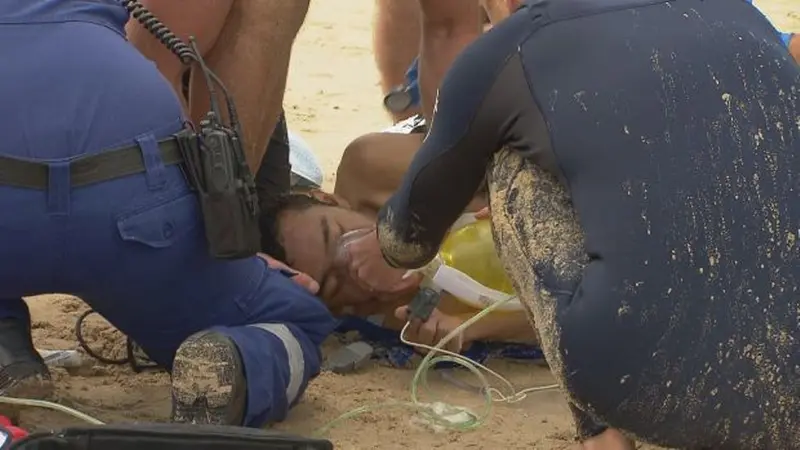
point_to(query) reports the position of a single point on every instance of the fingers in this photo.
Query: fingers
(307, 282)
(412, 332)
(401, 313)
(354, 253)
(300, 278)
(484, 213)
(406, 284)
(360, 274)
(366, 266)
(427, 332)
(454, 345)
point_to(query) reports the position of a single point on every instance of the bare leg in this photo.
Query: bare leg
(448, 26)
(372, 168)
(251, 56)
(395, 41)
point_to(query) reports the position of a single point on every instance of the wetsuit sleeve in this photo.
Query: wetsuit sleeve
(474, 108)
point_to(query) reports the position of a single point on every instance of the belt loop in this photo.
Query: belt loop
(155, 171)
(58, 188)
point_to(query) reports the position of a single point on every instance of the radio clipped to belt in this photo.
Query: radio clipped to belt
(213, 157)
(216, 168)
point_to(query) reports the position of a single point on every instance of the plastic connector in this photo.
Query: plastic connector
(423, 304)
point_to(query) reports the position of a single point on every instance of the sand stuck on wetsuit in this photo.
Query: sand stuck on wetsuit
(645, 207)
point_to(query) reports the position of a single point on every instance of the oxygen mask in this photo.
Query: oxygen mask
(468, 267)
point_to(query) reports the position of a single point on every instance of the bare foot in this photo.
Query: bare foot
(608, 440)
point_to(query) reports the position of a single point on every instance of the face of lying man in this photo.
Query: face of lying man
(311, 237)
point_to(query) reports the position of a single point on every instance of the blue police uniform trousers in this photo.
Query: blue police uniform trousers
(132, 248)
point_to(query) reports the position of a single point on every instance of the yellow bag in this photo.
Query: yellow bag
(468, 267)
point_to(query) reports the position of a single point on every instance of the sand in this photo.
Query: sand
(332, 98)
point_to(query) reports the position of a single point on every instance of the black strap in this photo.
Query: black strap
(87, 170)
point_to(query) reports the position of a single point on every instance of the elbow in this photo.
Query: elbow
(398, 250)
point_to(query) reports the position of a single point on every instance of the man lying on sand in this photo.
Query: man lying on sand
(304, 231)
(643, 160)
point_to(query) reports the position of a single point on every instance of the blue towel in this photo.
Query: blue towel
(390, 349)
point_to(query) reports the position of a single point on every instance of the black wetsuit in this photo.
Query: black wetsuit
(674, 126)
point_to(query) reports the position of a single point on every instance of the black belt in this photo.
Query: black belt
(86, 170)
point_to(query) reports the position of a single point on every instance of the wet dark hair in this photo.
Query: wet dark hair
(269, 221)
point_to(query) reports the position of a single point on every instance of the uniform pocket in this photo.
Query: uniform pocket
(161, 225)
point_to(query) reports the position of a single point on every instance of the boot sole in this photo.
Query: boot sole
(208, 381)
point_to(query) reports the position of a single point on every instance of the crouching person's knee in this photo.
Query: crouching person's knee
(359, 156)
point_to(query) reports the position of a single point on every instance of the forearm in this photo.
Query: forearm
(443, 38)
(202, 19)
(794, 46)
(252, 60)
(502, 327)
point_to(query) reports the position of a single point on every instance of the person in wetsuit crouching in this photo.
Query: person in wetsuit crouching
(666, 294)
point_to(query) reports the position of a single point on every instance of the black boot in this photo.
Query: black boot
(22, 370)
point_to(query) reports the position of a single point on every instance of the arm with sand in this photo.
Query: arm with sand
(476, 104)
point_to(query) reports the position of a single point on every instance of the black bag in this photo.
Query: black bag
(166, 437)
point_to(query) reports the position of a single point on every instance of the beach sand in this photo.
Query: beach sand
(332, 98)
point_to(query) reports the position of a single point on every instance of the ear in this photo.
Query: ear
(329, 199)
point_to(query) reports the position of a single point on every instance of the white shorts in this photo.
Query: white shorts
(414, 124)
